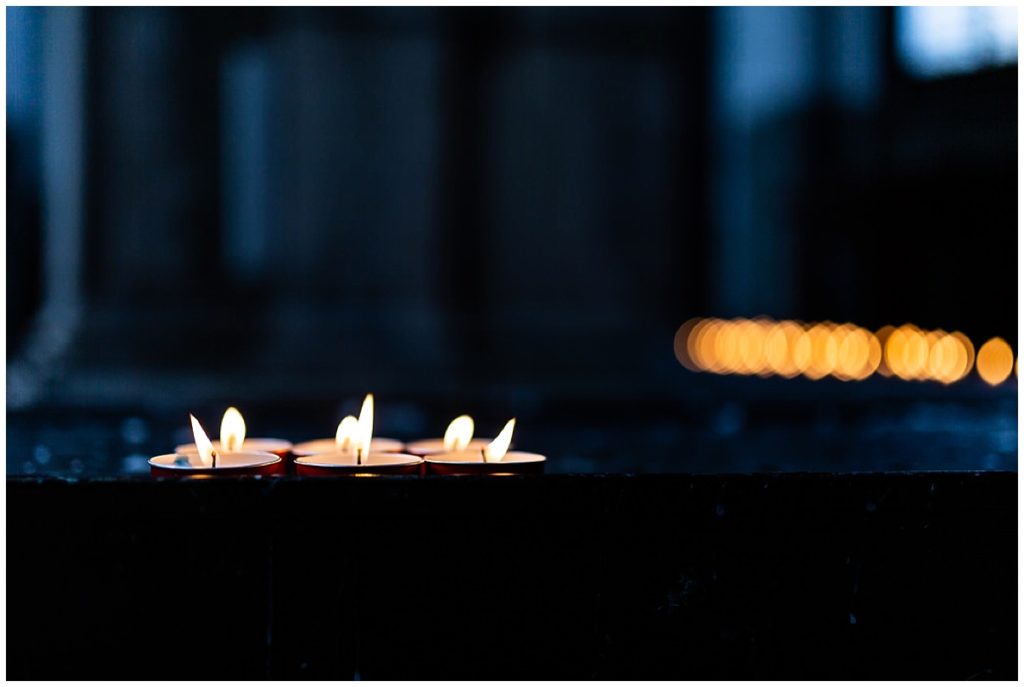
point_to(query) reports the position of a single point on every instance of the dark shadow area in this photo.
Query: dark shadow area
(552, 577)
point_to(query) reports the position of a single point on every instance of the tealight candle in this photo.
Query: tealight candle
(353, 452)
(337, 464)
(345, 439)
(233, 439)
(458, 437)
(206, 460)
(492, 459)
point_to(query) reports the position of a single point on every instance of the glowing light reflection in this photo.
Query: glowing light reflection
(847, 352)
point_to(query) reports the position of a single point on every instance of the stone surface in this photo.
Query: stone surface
(897, 575)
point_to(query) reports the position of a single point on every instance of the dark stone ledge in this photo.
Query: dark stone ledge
(888, 575)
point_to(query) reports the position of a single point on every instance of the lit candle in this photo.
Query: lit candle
(354, 452)
(207, 460)
(492, 459)
(344, 440)
(458, 437)
(233, 438)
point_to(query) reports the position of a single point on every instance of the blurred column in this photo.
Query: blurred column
(154, 118)
(585, 230)
(245, 160)
(472, 40)
(358, 153)
(857, 46)
(773, 65)
(763, 70)
(579, 189)
(24, 81)
(63, 155)
(62, 140)
(353, 181)
(24, 230)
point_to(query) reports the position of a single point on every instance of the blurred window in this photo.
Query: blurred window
(937, 41)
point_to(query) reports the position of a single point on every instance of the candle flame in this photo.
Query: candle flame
(232, 430)
(347, 434)
(459, 434)
(203, 444)
(365, 427)
(496, 450)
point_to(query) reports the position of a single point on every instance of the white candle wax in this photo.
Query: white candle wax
(190, 461)
(477, 458)
(348, 460)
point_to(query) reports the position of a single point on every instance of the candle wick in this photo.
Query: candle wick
(213, 455)
(359, 456)
(483, 455)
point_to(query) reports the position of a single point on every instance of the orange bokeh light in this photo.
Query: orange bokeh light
(883, 335)
(824, 352)
(704, 345)
(968, 349)
(847, 352)
(995, 361)
(780, 349)
(906, 352)
(750, 347)
(681, 344)
(726, 347)
(857, 353)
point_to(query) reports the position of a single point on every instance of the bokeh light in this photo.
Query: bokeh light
(824, 351)
(705, 348)
(874, 356)
(995, 361)
(846, 352)
(681, 344)
(947, 359)
(968, 348)
(883, 335)
(750, 346)
(780, 347)
(906, 352)
(858, 353)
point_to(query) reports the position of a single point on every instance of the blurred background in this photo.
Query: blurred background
(503, 212)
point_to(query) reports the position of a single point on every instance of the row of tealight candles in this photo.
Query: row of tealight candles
(353, 451)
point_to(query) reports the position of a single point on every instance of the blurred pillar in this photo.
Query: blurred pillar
(354, 176)
(588, 205)
(858, 52)
(246, 143)
(62, 138)
(24, 230)
(155, 218)
(353, 179)
(763, 69)
(471, 45)
(772, 65)
(579, 189)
